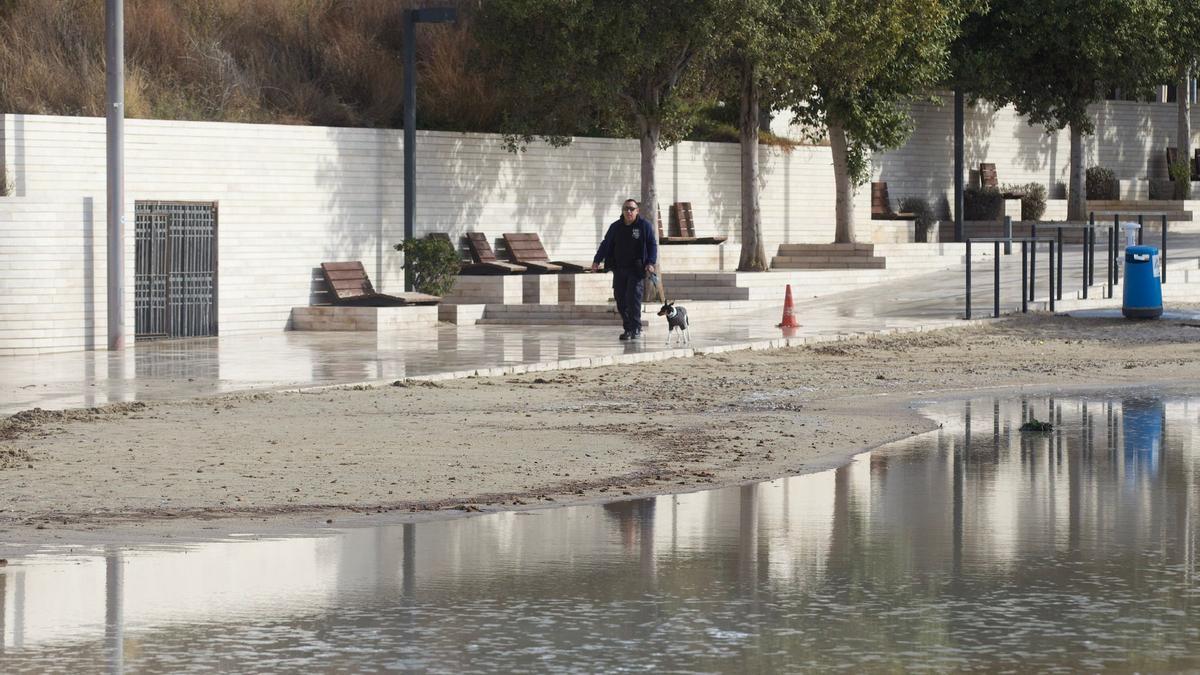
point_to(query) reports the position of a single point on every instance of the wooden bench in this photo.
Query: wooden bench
(525, 248)
(349, 285)
(989, 179)
(681, 227)
(483, 259)
(881, 205)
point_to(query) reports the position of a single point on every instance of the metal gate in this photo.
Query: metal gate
(175, 277)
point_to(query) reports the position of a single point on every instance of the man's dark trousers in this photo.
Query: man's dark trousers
(628, 286)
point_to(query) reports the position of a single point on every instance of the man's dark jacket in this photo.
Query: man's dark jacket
(629, 246)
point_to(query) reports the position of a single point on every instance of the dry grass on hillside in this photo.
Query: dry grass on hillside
(326, 62)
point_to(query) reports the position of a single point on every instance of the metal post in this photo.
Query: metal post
(1050, 269)
(114, 53)
(1162, 254)
(1008, 235)
(1116, 248)
(410, 134)
(1112, 242)
(1141, 229)
(411, 18)
(1058, 287)
(996, 281)
(968, 313)
(959, 161)
(1024, 276)
(1032, 262)
(1086, 236)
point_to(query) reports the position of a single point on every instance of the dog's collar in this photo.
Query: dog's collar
(671, 313)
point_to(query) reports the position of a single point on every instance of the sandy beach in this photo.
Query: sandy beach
(272, 462)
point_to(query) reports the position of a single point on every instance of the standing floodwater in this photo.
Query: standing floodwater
(979, 547)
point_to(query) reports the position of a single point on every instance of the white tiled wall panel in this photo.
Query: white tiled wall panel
(291, 197)
(1131, 139)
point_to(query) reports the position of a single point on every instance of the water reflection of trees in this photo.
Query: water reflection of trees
(977, 542)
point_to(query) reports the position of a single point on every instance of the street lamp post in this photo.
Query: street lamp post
(411, 18)
(114, 68)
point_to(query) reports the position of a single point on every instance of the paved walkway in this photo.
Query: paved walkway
(288, 360)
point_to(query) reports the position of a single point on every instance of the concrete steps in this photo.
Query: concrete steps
(1128, 210)
(827, 257)
(606, 315)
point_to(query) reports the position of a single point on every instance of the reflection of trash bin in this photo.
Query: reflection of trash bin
(1142, 430)
(1143, 283)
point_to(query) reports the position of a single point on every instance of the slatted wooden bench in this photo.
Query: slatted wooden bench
(483, 260)
(988, 178)
(681, 227)
(881, 204)
(349, 285)
(525, 248)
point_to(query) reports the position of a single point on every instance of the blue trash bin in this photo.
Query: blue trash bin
(1142, 295)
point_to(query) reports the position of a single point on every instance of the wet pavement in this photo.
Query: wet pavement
(977, 547)
(207, 366)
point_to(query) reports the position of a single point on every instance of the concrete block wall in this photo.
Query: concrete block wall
(1131, 139)
(53, 285)
(291, 197)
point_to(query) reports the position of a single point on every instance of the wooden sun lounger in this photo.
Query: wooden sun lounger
(988, 178)
(681, 228)
(484, 260)
(349, 285)
(881, 204)
(481, 251)
(526, 248)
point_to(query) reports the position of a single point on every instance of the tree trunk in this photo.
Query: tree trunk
(1077, 187)
(754, 257)
(843, 186)
(1183, 131)
(651, 132)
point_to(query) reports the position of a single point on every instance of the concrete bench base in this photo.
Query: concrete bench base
(461, 315)
(584, 289)
(696, 258)
(486, 290)
(370, 319)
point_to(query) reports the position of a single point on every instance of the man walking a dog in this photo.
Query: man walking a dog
(630, 252)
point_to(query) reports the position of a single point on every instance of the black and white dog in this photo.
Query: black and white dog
(677, 319)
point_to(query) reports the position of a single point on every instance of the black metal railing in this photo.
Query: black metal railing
(1028, 245)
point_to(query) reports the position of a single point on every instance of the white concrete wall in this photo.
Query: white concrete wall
(1131, 139)
(290, 197)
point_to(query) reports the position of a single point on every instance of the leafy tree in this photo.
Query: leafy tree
(765, 44)
(570, 67)
(872, 59)
(1051, 59)
(1183, 44)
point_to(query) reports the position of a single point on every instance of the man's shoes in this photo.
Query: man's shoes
(626, 335)
(636, 335)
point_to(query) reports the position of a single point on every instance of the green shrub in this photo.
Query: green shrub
(982, 203)
(1102, 184)
(1033, 200)
(432, 264)
(1181, 175)
(925, 220)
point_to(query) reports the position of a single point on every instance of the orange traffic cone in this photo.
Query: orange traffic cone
(789, 312)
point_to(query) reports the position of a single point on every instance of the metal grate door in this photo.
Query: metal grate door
(175, 292)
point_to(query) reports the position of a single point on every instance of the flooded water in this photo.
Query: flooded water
(978, 547)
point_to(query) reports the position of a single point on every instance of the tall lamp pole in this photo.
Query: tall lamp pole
(411, 18)
(959, 160)
(114, 70)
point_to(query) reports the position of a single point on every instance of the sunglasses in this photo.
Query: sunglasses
(631, 208)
